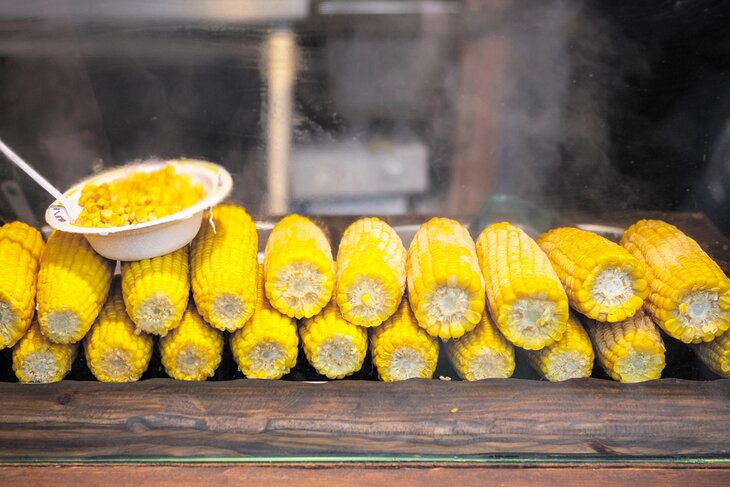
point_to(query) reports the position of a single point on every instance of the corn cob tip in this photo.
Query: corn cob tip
(568, 364)
(267, 360)
(298, 289)
(537, 322)
(639, 366)
(39, 368)
(338, 357)
(116, 365)
(193, 350)
(61, 326)
(368, 300)
(228, 310)
(405, 363)
(489, 364)
(8, 319)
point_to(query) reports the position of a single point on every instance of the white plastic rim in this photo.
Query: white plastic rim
(155, 237)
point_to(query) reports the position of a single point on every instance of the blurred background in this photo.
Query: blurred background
(380, 106)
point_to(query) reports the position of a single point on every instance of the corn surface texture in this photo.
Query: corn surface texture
(629, 351)
(524, 294)
(156, 291)
(334, 347)
(268, 344)
(401, 349)
(193, 350)
(482, 353)
(445, 287)
(689, 295)
(21, 247)
(73, 284)
(602, 279)
(114, 351)
(36, 359)
(298, 267)
(224, 266)
(570, 357)
(371, 272)
(716, 354)
(137, 198)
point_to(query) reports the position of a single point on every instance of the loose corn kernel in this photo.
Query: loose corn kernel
(137, 198)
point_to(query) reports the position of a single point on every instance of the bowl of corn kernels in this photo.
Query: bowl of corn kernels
(142, 210)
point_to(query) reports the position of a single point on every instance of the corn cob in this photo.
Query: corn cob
(156, 291)
(445, 287)
(73, 283)
(716, 354)
(401, 349)
(114, 351)
(569, 358)
(20, 252)
(37, 359)
(524, 294)
(371, 272)
(602, 279)
(193, 350)
(333, 346)
(482, 353)
(223, 270)
(267, 345)
(629, 351)
(689, 295)
(298, 267)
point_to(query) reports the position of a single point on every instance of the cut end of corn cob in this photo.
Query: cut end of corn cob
(602, 279)
(716, 354)
(570, 357)
(297, 289)
(36, 359)
(525, 295)
(223, 268)
(193, 350)
(629, 351)
(334, 347)
(371, 272)
(445, 286)
(114, 351)
(533, 322)
(298, 267)
(401, 349)
(267, 345)
(689, 295)
(62, 326)
(482, 354)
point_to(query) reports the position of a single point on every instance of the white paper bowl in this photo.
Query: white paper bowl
(152, 238)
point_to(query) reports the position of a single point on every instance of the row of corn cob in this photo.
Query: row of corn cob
(525, 295)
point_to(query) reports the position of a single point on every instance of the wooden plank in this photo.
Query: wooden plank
(363, 475)
(162, 418)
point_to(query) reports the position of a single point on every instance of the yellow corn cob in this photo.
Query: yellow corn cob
(114, 351)
(20, 252)
(333, 346)
(223, 268)
(482, 353)
(267, 345)
(524, 294)
(689, 295)
(73, 283)
(445, 287)
(371, 272)
(193, 350)
(156, 291)
(716, 354)
(602, 279)
(37, 359)
(629, 351)
(298, 267)
(401, 349)
(569, 358)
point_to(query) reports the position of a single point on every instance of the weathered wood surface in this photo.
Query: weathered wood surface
(163, 418)
(361, 475)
